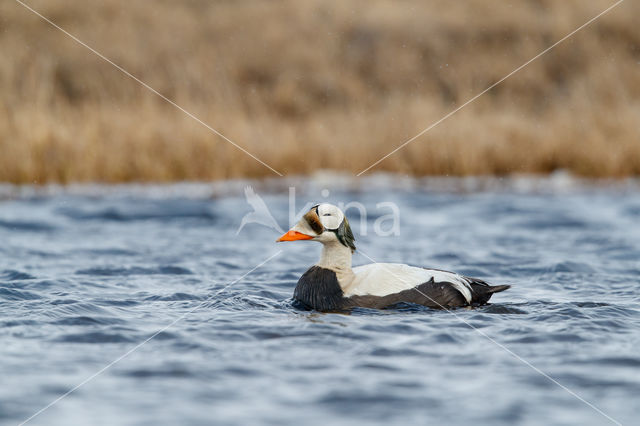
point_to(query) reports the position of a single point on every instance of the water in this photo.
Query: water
(87, 274)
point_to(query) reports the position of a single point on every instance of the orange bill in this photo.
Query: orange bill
(293, 236)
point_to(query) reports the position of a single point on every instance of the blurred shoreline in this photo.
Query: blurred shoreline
(311, 186)
(314, 85)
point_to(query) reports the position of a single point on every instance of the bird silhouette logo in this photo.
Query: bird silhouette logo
(260, 214)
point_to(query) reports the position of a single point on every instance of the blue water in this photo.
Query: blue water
(88, 275)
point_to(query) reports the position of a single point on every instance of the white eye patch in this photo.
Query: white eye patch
(330, 216)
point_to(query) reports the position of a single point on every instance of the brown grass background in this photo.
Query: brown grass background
(307, 85)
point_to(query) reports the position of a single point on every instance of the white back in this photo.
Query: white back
(381, 279)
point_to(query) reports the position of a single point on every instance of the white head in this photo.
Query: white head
(325, 223)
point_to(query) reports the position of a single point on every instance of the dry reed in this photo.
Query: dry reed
(316, 85)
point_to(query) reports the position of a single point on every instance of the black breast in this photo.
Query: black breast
(318, 288)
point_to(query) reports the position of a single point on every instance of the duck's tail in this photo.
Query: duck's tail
(482, 292)
(497, 288)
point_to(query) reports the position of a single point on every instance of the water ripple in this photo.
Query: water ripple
(84, 279)
(12, 294)
(134, 270)
(28, 226)
(94, 337)
(12, 275)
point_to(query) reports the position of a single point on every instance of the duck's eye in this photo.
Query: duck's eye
(327, 214)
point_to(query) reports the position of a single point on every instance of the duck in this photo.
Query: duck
(333, 284)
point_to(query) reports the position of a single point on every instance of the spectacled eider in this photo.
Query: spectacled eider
(333, 285)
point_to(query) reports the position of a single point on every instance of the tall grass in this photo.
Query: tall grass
(316, 84)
